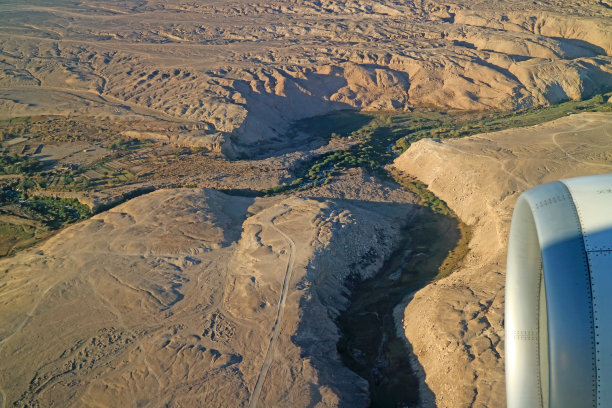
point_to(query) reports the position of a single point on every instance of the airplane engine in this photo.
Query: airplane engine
(558, 312)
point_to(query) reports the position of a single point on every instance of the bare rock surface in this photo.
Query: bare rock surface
(234, 73)
(455, 325)
(191, 297)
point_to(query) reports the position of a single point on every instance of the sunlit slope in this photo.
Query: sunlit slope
(455, 325)
(237, 72)
(189, 297)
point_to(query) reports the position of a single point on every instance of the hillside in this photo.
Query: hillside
(455, 325)
(228, 75)
(175, 295)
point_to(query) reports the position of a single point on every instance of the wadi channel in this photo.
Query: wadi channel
(281, 203)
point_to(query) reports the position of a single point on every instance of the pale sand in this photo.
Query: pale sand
(455, 325)
(190, 298)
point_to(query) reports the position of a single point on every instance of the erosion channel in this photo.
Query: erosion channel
(370, 345)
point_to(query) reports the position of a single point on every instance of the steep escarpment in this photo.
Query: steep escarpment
(455, 325)
(229, 75)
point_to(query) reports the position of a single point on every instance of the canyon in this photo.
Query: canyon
(197, 196)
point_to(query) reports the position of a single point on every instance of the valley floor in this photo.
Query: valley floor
(174, 290)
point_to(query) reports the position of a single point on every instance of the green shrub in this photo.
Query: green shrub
(124, 144)
(58, 211)
(15, 164)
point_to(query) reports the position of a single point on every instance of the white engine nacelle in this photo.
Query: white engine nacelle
(558, 313)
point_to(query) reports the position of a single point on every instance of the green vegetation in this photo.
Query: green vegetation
(27, 221)
(56, 212)
(13, 235)
(428, 199)
(462, 125)
(20, 232)
(367, 140)
(125, 144)
(15, 164)
(50, 212)
(442, 210)
(381, 137)
(21, 119)
(14, 127)
(57, 129)
(455, 256)
(370, 153)
(333, 125)
(368, 332)
(28, 212)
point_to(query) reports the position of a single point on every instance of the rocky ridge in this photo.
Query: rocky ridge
(175, 295)
(234, 74)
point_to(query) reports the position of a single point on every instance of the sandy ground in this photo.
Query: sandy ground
(191, 297)
(236, 73)
(195, 298)
(456, 325)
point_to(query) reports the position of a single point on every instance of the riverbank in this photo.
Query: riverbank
(430, 244)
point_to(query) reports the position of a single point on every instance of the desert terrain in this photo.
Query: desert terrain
(232, 74)
(285, 203)
(192, 297)
(456, 324)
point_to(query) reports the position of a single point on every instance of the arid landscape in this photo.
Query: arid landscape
(232, 74)
(456, 325)
(279, 204)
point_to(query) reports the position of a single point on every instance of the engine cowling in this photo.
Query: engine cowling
(558, 312)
